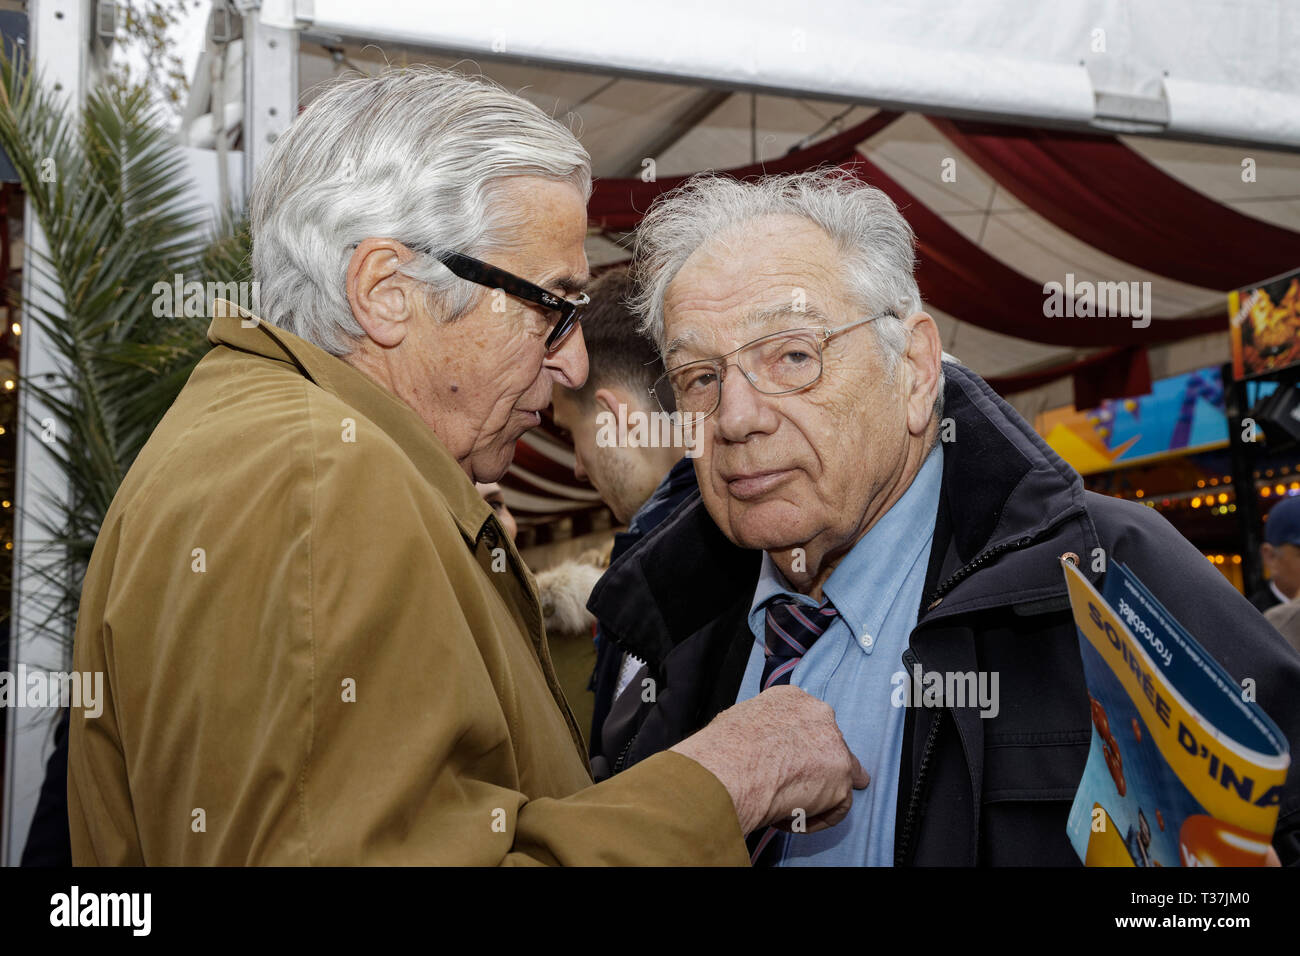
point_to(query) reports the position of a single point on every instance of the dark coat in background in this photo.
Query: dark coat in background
(972, 791)
(48, 842)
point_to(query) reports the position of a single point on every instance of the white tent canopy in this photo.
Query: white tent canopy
(1193, 68)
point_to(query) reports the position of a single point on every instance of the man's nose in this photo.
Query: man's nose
(743, 410)
(569, 361)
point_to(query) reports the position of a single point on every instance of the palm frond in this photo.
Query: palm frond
(108, 187)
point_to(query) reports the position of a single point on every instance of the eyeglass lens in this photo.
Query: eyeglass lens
(777, 363)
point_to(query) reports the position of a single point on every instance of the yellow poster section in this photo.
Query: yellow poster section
(1105, 846)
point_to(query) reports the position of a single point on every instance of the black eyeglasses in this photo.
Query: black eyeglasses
(480, 272)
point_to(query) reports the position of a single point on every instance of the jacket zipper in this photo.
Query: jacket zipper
(964, 572)
(911, 818)
(914, 801)
(618, 764)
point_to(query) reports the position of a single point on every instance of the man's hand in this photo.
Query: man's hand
(778, 753)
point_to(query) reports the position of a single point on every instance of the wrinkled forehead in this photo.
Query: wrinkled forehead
(547, 243)
(770, 274)
(689, 342)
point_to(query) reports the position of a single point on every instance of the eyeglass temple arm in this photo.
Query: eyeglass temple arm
(488, 275)
(855, 324)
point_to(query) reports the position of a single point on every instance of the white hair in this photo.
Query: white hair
(876, 245)
(415, 154)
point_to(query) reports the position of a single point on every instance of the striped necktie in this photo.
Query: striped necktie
(789, 630)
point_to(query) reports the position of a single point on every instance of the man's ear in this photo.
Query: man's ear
(923, 358)
(381, 297)
(610, 398)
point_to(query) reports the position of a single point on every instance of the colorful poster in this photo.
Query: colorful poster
(1185, 768)
(1264, 321)
(1183, 413)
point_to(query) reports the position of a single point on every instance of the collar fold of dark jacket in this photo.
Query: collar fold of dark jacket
(1005, 494)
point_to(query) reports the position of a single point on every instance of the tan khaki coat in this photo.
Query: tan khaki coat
(309, 657)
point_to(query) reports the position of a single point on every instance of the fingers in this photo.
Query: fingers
(860, 777)
(859, 780)
(824, 821)
(782, 757)
(818, 821)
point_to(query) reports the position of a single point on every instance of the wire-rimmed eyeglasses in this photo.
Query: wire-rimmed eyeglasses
(774, 364)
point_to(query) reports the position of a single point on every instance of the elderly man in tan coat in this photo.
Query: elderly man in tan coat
(319, 646)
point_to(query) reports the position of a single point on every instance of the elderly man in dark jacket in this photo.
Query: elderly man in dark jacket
(807, 453)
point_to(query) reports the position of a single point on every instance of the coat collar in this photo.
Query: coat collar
(237, 328)
(1005, 493)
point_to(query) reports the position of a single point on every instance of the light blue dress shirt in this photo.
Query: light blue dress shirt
(877, 589)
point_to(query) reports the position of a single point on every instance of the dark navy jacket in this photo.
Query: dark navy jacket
(666, 498)
(972, 790)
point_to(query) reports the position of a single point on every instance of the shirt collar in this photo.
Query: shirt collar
(863, 585)
(237, 328)
(1277, 592)
(771, 583)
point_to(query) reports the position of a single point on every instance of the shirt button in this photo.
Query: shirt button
(867, 640)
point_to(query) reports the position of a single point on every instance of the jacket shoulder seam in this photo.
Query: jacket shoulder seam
(159, 470)
(311, 631)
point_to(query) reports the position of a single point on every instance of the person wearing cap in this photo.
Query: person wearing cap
(1280, 554)
(1286, 618)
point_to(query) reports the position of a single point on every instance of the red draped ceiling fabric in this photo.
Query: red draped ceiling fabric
(618, 205)
(1096, 188)
(1110, 373)
(954, 273)
(966, 282)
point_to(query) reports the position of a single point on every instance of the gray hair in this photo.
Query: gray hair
(415, 154)
(877, 247)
